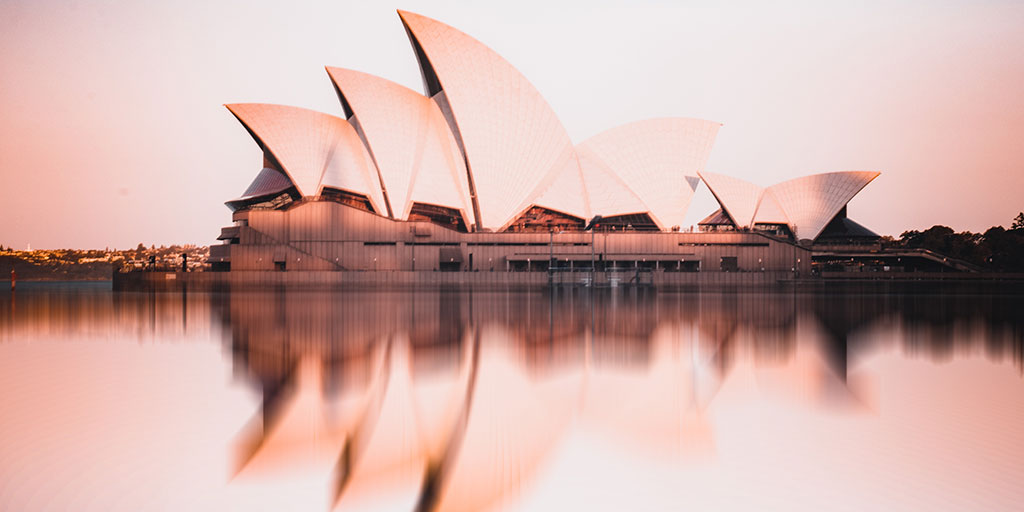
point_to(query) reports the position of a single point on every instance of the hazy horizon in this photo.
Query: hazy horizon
(114, 132)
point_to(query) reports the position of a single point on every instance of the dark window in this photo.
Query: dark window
(629, 222)
(267, 202)
(724, 244)
(730, 264)
(347, 198)
(539, 219)
(441, 215)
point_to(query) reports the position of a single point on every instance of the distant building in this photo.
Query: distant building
(477, 173)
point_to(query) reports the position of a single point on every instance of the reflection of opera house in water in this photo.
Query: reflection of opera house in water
(459, 400)
(455, 400)
(478, 174)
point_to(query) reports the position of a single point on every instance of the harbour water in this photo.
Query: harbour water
(615, 399)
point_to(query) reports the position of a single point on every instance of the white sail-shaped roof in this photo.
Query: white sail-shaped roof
(812, 201)
(655, 158)
(314, 149)
(567, 192)
(607, 193)
(409, 140)
(769, 211)
(738, 198)
(513, 141)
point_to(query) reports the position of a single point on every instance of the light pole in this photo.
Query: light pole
(551, 254)
(593, 262)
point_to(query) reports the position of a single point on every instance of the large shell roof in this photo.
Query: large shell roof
(314, 149)
(408, 137)
(513, 141)
(810, 202)
(658, 161)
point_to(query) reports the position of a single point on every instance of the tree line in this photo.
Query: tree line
(997, 249)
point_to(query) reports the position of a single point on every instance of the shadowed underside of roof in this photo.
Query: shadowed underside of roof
(842, 227)
(717, 218)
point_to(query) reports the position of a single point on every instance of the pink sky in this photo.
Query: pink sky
(112, 130)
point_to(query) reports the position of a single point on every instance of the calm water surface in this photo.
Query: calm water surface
(611, 400)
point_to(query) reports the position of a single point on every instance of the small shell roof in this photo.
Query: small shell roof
(810, 202)
(314, 149)
(658, 160)
(739, 198)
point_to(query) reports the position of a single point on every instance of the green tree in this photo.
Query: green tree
(1018, 222)
(997, 248)
(1004, 249)
(934, 238)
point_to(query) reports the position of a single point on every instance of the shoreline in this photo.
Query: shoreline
(666, 281)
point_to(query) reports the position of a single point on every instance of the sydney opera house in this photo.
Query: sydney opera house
(476, 173)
